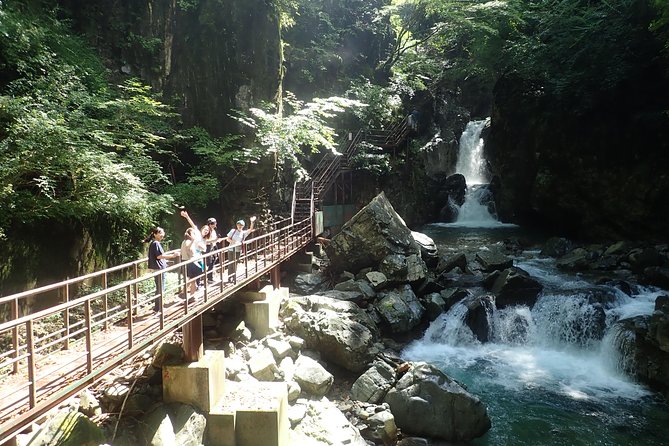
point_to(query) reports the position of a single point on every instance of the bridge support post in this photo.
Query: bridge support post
(193, 342)
(275, 275)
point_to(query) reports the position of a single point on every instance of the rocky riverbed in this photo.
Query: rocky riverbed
(338, 348)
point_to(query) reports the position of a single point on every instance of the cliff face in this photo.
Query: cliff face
(207, 57)
(595, 166)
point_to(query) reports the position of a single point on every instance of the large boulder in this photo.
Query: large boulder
(493, 260)
(403, 269)
(312, 377)
(375, 232)
(70, 429)
(373, 385)
(514, 286)
(323, 425)
(643, 341)
(308, 283)
(427, 402)
(428, 249)
(400, 309)
(341, 331)
(479, 314)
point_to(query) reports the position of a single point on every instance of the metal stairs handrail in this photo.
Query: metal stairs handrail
(323, 176)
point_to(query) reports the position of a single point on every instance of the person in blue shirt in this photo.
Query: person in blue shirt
(158, 261)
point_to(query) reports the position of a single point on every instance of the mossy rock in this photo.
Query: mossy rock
(69, 429)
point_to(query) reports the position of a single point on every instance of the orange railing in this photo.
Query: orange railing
(324, 175)
(55, 352)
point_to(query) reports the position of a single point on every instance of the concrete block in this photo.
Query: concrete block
(261, 413)
(221, 427)
(200, 383)
(263, 315)
(283, 292)
(260, 295)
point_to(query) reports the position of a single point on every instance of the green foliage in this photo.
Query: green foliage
(71, 147)
(383, 105)
(215, 159)
(570, 49)
(449, 40)
(149, 44)
(661, 24)
(332, 43)
(303, 129)
(371, 159)
(188, 5)
(574, 49)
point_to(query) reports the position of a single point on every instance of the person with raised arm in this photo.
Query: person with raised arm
(236, 237)
(192, 248)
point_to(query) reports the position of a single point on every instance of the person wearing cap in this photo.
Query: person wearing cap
(211, 239)
(236, 237)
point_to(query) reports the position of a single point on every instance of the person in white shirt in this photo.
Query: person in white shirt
(192, 248)
(236, 237)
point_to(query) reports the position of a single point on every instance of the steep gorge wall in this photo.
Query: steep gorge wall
(598, 173)
(207, 57)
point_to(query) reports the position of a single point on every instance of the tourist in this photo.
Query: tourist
(412, 120)
(158, 261)
(211, 239)
(236, 238)
(192, 248)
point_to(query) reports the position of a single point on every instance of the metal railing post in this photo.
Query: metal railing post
(15, 336)
(136, 286)
(105, 302)
(66, 317)
(30, 341)
(89, 337)
(128, 295)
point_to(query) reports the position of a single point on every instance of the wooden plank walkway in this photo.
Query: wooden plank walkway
(37, 373)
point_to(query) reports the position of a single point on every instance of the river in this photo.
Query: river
(545, 379)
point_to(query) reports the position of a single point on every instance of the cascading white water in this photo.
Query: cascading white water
(470, 154)
(551, 347)
(558, 373)
(476, 209)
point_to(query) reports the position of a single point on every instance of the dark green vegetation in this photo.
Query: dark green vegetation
(111, 111)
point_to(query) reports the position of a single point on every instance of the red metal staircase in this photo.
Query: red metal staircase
(324, 175)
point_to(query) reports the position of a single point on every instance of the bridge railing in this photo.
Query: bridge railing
(20, 304)
(101, 335)
(104, 284)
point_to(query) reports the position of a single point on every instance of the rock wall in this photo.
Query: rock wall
(595, 171)
(206, 56)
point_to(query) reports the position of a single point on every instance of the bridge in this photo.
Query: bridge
(105, 318)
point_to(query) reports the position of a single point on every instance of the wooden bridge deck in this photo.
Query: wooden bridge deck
(58, 351)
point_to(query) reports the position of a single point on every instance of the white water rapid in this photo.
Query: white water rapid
(554, 374)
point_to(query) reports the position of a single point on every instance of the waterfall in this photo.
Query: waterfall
(478, 209)
(450, 328)
(470, 155)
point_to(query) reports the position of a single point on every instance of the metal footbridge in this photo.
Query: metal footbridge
(105, 318)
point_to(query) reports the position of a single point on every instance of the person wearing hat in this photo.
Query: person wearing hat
(236, 237)
(211, 239)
